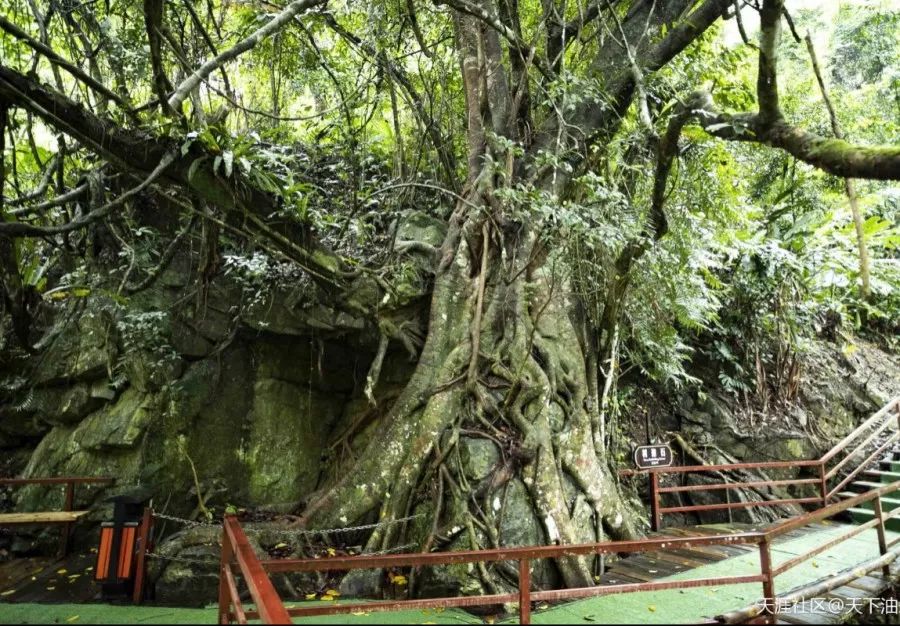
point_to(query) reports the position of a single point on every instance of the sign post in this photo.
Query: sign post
(649, 458)
(653, 456)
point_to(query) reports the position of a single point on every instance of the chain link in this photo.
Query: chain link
(181, 559)
(184, 521)
(290, 533)
(331, 531)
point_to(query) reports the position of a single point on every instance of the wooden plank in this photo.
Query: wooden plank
(41, 517)
(870, 584)
(682, 560)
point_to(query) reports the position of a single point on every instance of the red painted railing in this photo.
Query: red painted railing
(853, 451)
(236, 549)
(270, 608)
(70, 483)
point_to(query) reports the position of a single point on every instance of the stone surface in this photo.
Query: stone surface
(479, 456)
(288, 427)
(182, 583)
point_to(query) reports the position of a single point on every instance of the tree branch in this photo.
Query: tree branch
(20, 229)
(523, 49)
(272, 26)
(153, 22)
(57, 60)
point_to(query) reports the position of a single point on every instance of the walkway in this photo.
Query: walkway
(684, 606)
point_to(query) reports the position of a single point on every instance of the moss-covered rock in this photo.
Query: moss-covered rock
(288, 431)
(118, 425)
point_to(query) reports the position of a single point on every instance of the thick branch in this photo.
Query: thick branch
(523, 49)
(134, 151)
(153, 21)
(767, 77)
(57, 60)
(272, 26)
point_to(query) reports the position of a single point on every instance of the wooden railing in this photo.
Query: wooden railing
(270, 609)
(236, 550)
(45, 517)
(854, 448)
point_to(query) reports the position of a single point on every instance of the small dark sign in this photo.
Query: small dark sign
(657, 455)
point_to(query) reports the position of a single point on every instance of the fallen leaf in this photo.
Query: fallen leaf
(51, 588)
(331, 552)
(327, 598)
(651, 608)
(359, 613)
(310, 596)
(8, 593)
(332, 592)
(62, 571)
(74, 618)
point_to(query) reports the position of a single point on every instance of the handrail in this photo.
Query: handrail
(885, 416)
(721, 467)
(860, 446)
(268, 603)
(861, 428)
(68, 499)
(831, 510)
(859, 468)
(524, 556)
(270, 609)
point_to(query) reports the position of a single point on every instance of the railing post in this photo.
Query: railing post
(823, 484)
(882, 540)
(143, 547)
(67, 527)
(524, 591)
(768, 583)
(654, 502)
(224, 564)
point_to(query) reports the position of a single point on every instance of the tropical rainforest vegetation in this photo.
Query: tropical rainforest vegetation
(532, 202)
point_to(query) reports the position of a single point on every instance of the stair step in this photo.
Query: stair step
(861, 516)
(886, 476)
(889, 465)
(868, 485)
(887, 504)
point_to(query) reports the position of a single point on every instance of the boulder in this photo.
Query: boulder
(185, 571)
(82, 350)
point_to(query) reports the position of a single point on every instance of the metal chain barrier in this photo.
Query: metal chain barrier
(290, 534)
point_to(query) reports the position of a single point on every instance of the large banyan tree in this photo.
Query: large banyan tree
(499, 114)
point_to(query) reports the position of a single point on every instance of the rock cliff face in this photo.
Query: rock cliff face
(250, 395)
